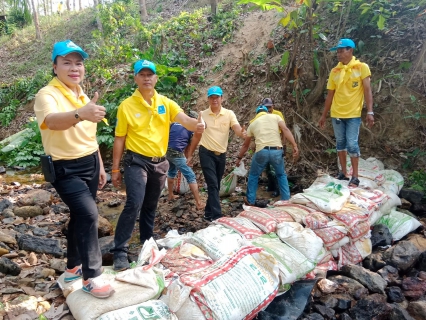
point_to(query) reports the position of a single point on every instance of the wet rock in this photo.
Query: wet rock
(60, 208)
(390, 274)
(28, 211)
(40, 245)
(345, 316)
(395, 294)
(421, 262)
(37, 197)
(7, 238)
(58, 265)
(381, 236)
(374, 261)
(326, 312)
(3, 251)
(417, 309)
(351, 286)
(399, 313)
(105, 228)
(403, 255)
(327, 286)
(40, 231)
(314, 316)
(371, 280)
(8, 213)
(414, 196)
(413, 287)
(418, 240)
(9, 267)
(419, 209)
(5, 204)
(329, 301)
(372, 307)
(344, 302)
(8, 220)
(106, 244)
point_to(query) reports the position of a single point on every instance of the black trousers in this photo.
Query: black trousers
(213, 167)
(144, 182)
(77, 183)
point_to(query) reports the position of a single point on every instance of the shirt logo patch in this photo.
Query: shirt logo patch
(354, 84)
(161, 109)
(137, 115)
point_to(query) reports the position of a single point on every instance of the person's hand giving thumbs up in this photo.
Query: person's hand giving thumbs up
(201, 125)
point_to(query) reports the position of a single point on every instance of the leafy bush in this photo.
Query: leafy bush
(417, 180)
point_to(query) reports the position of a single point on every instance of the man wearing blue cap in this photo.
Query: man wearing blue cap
(213, 144)
(348, 86)
(143, 127)
(265, 130)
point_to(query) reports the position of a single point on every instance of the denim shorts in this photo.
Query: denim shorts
(180, 164)
(346, 132)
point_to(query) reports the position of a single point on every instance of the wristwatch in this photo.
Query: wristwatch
(77, 116)
(371, 112)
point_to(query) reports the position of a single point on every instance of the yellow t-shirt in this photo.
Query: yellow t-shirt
(73, 143)
(215, 137)
(265, 130)
(349, 96)
(278, 113)
(146, 127)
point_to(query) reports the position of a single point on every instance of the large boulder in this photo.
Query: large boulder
(37, 197)
(372, 307)
(371, 280)
(402, 256)
(40, 245)
(351, 286)
(28, 211)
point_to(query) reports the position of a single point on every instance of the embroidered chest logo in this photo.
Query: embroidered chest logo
(161, 109)
(354, 84)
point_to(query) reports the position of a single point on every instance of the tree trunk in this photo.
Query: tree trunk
(95, 3)
(73, 6)
(45, 5)
(213, 4)
(80, 7)
(68, 5)
(51, 7)
(142, 10)
(98, 19)
(36, 23)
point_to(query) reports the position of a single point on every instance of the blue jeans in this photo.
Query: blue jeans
(179, 163)
(346, 132)
(258, 163)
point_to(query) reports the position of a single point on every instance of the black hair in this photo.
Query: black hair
(54, 62)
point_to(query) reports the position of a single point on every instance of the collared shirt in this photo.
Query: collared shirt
(179, 137)
(215, 137)
(75, 142)
(349, 97)
(278, 113)
(146, 127)
(265, 130)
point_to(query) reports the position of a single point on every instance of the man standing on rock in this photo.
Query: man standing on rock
(143, 124)
(265, 129)
(213, 144)
(348, 85)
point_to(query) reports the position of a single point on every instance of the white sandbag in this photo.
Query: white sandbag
(149, 310)
(377, 196)
(304, 240)
(260, 217)
(389, 187)
(374, 217)
(355, 220)
(68, 287)
(229, 183)
(293, 265)
(354, 252)
(217, 241)
(171, 240)
(395, 177)
(236, 287)
(242, 226)
(337, 245)
(189, 309)
(332, 234)
(399, 223)
(369, 164)
(192, 259)
(181, 185)
(375, 163)
(329, 198)
(84, 306)
(393, 201)
(296, 211)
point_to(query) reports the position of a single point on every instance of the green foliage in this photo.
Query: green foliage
(412, 156)
(417, 180)
(29, 152)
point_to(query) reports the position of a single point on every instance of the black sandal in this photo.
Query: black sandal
(354, 182)
(341, 176)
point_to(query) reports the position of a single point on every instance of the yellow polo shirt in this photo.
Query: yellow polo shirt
(215, 136)
(278, 113)
(73, 143)
(146, 127)
(349, 97)
(265, 130)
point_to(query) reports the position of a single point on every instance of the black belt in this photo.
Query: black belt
(273, 148)
(217, 153)
(75, 160)
(151, 159)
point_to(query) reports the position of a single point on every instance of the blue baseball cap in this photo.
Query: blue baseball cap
(214, 91)
(344, 43)
(261, 109)
(144, 64)
(63, 48)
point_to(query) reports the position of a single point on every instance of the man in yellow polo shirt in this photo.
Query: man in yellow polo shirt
(213, 144)
(348, 85)
(266, 132)
(143, 124)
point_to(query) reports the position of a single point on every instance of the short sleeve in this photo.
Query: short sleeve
(174, 108)
(365, 71)
(121, 128)
(249, 134)
(44, 105)
(233, 118)
(331, 85)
